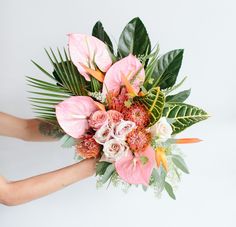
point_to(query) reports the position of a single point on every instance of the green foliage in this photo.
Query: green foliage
(169, 190)
(154, 101)
(68, 141)
(183, 115)
(100, 33)
(166, 70)
(66, 82)
(143, 160)
(180, 163)
(109, 171)
(134, 39)
(101, 167)
(179, 97)
(149, 70)
(158, 179)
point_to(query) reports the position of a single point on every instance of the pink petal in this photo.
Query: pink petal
(131, 169)
(88, 50)
(72, 114)
(128, 67)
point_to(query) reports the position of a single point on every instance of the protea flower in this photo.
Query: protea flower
(138, 114)
(138, 139)
(88, 147)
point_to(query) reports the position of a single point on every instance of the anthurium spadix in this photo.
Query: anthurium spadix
(128, 69)
(72, 114)
(90, 55)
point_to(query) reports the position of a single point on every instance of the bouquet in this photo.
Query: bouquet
(119, 106)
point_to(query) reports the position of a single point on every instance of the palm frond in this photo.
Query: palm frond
(66, 82)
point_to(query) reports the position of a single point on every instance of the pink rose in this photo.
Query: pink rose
(114, 116)
(122, 129)
(98, 119)
(114, 149)
(103, 134)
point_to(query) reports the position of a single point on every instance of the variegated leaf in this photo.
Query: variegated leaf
(183, 115)
(154, 101)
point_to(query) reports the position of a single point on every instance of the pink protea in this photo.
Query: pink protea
(116, 100)
(138, 114)
(88, 147)
(138, 139)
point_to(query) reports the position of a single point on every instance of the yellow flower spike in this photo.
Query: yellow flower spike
(161, 158)
(128, 86)
(97, 74)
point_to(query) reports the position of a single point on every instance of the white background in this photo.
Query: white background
(206, 30)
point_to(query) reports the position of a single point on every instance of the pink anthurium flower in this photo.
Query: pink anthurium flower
(128, 69)
(90, 55)
(136, 169)
(72, 114)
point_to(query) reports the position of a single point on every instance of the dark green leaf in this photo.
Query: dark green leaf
(167, 69)
(99, 32)
(180, 97)
(180, 163)
(134, 39)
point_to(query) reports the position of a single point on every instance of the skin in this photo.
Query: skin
(22, 191)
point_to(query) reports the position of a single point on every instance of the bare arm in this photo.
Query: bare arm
(28, 129)
(18, 192)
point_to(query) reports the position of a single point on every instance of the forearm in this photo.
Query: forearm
(19, 192)
(28, 129)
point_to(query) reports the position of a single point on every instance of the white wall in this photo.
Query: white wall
(206, 29)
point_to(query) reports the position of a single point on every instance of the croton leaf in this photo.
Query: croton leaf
(154, 101)
(99, 32)
(179, 97)
(183, 115)
(134, 39)
(167, 69)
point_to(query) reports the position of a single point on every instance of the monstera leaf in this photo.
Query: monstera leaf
(166, 70)
(134, 39)
(99, 32)
(154, 101)
(183, 115)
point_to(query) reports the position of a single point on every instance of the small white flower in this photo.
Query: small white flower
(162, 129)
(114, 149)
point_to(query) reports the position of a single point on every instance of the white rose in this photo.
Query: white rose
(122, 129)
(103, 134)
(114, 149)
(162, 129)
